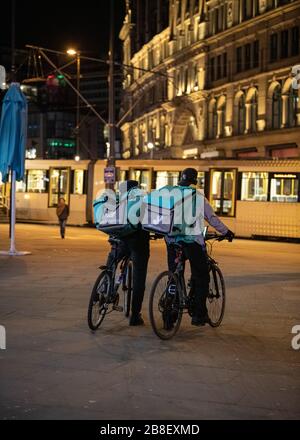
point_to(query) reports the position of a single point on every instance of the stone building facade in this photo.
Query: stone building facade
(220, 80)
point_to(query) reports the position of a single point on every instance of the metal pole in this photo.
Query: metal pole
(78, 107)
(13, 213)
(13, 78)
(111, 118)
(13, 40)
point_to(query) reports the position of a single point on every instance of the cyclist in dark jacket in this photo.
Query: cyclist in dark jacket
(135, 245)
(194, 251)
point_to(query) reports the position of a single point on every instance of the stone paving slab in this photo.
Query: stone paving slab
(55, 368)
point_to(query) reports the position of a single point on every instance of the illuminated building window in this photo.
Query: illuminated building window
(254, 187)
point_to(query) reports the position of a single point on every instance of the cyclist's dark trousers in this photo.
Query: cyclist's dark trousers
(200, 273)
(118, 251)
(138, 245)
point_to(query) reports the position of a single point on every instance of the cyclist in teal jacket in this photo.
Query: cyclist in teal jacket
(194, 251)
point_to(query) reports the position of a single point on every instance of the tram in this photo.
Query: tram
(255, 198)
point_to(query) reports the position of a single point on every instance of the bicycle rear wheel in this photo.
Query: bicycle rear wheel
(165, 309)
(98, 301)
(216, 296)
(127, 288)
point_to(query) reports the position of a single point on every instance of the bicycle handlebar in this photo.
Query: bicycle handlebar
(214, 235)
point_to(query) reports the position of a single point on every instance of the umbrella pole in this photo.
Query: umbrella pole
(13, 213)
(12, 251)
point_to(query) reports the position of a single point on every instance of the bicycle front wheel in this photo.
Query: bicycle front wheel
(216, 297)
(165, 308)
(98, 301)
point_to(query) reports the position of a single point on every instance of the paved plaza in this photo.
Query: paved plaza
(55, 368)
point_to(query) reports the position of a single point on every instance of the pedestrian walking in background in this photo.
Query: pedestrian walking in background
(62, 212)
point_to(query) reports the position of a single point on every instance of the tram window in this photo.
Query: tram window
(164, 178)
(78, 182)
(254, 187)
(21, 186)
(59, 185)
(222, 192)
(143, 177)
(36, 181)
(284, 189)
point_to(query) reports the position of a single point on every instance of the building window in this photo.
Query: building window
(273, 48)
(276, 108)
(59, 185)
(219, 67)
(292, 107)
(222, 192)
(288, 151)
(295, 41)
(284, 188)
(247, 56)
(241, 120)
(255, 54)
(284, 44)
(224, 65)
(36, 181)
(239, 60)
(212, 69)
(212, 120)
(78, 182)
(254, 187)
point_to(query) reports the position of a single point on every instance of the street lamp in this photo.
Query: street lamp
(73, 52)
(150, 146)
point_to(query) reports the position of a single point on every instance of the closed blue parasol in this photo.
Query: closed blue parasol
(13, 131)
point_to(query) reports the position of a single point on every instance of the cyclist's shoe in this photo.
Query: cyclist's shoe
(136, 320)
(200, 320)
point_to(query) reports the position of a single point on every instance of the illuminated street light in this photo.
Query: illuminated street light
(74, 52)
(150, 146)
(71, 52)
(77, 158)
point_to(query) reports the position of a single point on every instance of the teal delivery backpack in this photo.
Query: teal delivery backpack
(118, 217)
(172, 210)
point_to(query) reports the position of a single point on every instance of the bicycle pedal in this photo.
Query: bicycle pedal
(118, 308)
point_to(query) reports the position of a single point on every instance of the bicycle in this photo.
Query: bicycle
(105, 296)
(169, 298)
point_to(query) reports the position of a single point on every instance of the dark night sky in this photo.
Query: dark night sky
(62, 23)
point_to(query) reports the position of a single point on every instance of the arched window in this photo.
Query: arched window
(212, 119)
(221, 111)
(240, 114)
(289, 104)
(251, 110)
(292, 107)
(276, 108)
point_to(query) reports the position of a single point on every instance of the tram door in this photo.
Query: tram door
(59, 185)
(222, 191)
